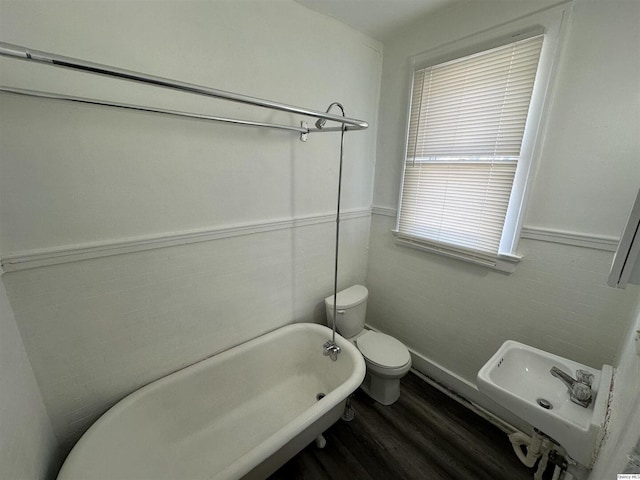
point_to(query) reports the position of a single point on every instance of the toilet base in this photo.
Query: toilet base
(383, 390)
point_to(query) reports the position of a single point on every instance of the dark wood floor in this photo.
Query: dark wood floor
(424, 435)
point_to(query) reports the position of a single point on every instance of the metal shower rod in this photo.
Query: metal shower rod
(23, 53)
(128, 106)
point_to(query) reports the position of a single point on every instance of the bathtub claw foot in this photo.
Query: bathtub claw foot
(349, 412)
(321, 442)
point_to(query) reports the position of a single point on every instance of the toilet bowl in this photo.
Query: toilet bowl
(387, 359)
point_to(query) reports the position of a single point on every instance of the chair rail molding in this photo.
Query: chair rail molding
(577, 239)
(84, 251)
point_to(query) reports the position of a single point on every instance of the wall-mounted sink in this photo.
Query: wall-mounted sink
(518, 378)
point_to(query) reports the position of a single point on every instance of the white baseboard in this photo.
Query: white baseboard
(466, 394)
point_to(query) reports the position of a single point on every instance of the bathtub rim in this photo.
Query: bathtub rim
(271, 444)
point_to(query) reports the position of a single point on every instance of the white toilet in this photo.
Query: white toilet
(387, 359)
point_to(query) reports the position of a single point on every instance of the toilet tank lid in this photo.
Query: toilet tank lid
(349, 297)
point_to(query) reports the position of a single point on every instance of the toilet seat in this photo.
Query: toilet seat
(383, 350)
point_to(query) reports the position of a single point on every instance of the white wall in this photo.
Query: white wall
(98, 329)
(28, 446)
(74, 176)
(455, 314)
(623, 440)
(587, 175)
(106, 174)
(458, 314)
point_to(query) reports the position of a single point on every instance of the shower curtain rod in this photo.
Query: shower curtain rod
(128, 106)
(24, 53)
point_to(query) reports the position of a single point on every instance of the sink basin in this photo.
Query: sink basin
(517, 377)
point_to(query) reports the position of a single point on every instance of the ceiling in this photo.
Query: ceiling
(376, 18)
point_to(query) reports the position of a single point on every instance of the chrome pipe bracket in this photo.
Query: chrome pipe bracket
(304, 135)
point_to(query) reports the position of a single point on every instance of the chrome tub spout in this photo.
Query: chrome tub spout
(331, 349)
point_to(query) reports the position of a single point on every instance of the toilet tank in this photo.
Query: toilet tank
(351, 307)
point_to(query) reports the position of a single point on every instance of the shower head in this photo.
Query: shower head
(320, 123)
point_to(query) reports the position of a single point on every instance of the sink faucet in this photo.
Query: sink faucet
(331, 349)
(579, 390)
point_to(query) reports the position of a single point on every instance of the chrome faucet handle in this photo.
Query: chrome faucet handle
(585, 377)
(331, 349)
(581, 392)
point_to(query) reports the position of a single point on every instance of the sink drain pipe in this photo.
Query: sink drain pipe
(538, 446)
(533, 445)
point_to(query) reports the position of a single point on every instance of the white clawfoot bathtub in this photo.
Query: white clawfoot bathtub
(239, 414)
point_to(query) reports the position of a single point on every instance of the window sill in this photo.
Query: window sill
(504, 263)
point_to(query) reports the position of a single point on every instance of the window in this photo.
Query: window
(470, 140)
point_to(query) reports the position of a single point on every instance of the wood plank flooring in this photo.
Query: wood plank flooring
(424, 435)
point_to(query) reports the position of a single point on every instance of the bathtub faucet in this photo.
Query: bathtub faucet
(331, 349)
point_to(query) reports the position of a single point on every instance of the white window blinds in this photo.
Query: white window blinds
(465, 133)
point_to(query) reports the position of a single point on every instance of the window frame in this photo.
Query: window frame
(552, 23)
